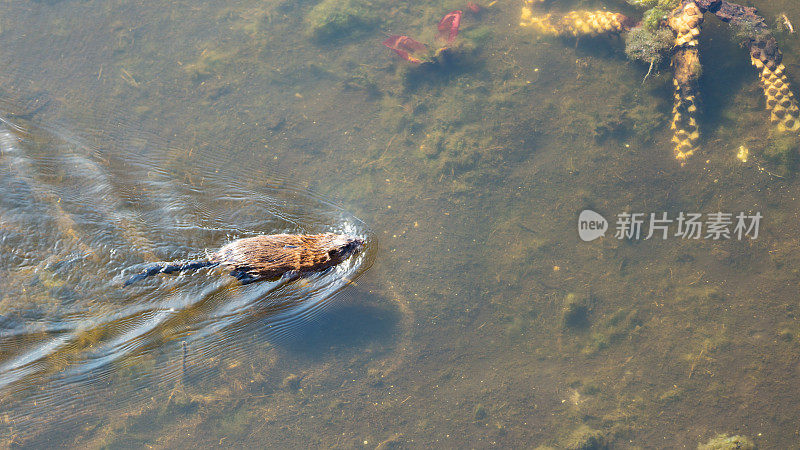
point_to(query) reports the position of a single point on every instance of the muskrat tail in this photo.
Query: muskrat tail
(164, 267)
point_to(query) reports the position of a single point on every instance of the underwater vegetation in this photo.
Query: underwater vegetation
(657, 11)
(443, 77)
(418, 53)
(338, 19)
(783, 152)
(726, 442)
(648, 45)
(575, 311)
(671, 28)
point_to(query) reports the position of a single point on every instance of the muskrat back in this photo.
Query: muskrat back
(270, 256)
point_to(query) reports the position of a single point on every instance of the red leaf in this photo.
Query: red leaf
(448, 26)
(407, 48)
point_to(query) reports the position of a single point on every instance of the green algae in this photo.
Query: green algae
(453, 140)
(653, 18)
(584, 438)
(727, 442)
(208, 63)
(338, 19)
(648, 45)
(748, 29)
(657, 10)
(610, 330)
(575, 312)
(654, 3)
(783, 153)
(479, 35)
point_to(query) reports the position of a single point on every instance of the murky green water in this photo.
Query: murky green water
(141, 131)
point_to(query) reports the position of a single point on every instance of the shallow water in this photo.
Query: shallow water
(149, 131)
(78, 221)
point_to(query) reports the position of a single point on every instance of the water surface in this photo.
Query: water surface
(192, 123)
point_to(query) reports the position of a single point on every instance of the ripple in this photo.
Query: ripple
(78, 218)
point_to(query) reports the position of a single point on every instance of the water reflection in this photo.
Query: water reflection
(77, 220)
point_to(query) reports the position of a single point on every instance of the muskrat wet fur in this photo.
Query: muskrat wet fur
(269, 256)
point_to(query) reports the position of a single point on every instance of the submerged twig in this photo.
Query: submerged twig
(652, 63)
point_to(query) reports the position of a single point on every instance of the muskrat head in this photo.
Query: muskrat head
(342, 246)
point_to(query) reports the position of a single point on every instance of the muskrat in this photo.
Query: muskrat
(269, 256)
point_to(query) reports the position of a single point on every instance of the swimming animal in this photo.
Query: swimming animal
(269, 256)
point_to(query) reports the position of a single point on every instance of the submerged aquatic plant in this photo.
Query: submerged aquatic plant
(408, 49)
(649, 46)
(416, 52)
(338, 19)
(657, 11)
(448, 26)
(671, 28)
